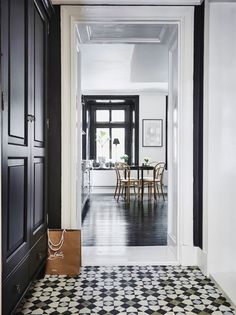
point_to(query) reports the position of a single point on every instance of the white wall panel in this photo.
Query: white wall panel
(221, 170)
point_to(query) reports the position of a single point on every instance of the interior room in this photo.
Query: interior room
(118, 157)
(127, 148)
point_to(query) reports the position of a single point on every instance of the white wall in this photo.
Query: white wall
(152, 106)
(173, 145)
(220, 131)
(149, 63)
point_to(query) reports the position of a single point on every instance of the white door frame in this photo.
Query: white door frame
(184, 18)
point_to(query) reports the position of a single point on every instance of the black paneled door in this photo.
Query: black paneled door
(16, 165)
(38, 108)
(23, 73)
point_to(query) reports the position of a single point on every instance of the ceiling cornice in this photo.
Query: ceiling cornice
(128, 2)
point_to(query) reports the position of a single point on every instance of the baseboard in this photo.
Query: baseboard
(103, 190)
(172, 243)
(188, 255)
(111, 189)
(202, 261)
(226, 281)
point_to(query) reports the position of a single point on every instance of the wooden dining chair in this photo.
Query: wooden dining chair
(124, 181)
(119, 176)
(155, 182)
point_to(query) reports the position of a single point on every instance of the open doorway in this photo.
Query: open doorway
(179, 91)
(125, 83)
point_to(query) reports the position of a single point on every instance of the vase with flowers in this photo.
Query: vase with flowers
(125, 158)
(146, 160)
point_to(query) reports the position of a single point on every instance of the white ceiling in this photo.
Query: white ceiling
(108, 67)
(124, 33)
(136, 65)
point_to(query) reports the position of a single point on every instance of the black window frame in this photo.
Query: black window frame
(130, 105)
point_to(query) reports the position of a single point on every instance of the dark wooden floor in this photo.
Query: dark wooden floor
(107, 222)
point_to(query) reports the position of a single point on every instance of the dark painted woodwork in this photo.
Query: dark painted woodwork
(17, 207)
(17, 67)
(198, 124)
(24, 32)
(48, 7)
(38, 209)
(54, 134)
(15, 286)
(37, 256)
(108, 222)
(15, 144)
(130, 105)
(39, 111)
(166, 134)
(39, 91)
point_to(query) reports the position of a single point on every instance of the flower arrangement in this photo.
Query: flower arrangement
(125, 157)
(146, 160)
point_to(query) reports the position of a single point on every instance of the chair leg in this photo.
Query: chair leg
(122, 191)
(149, 191)
(155, 191)
(158, 192)
(119, 191)
(128, 193)
(162, 192)
(116, 189)
(139, 191)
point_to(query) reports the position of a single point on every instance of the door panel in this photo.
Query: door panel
(17, 205)
(16, 153)
(39, 75)
(39, 204)
(17, 70)
(39, 215)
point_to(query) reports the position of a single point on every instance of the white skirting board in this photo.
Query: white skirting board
(188, 255)
(202, 261)
(111, 190)
(227, 283)
(127, 255)
(103, 190)
(172, 243)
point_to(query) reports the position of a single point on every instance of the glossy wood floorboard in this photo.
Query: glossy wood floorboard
(108, 223)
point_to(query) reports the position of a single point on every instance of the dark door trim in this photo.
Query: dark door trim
(198, 94)
(54, 114)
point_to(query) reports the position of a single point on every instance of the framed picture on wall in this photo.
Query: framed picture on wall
(152, 133)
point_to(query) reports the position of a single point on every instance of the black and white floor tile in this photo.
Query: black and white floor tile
(132, 290)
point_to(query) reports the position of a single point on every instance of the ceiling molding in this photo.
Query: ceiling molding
(128, 2)
(122, 40)
(123, 33)
(124, 91)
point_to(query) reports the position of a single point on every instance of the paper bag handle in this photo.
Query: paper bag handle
(58, 246)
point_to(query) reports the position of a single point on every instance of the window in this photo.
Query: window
(108, 119)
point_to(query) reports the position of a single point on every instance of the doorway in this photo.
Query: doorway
(179, 232)
(135, 72)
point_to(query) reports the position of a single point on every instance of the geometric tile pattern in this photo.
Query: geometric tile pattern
(127, 290)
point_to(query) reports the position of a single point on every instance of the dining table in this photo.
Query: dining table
(140, 171)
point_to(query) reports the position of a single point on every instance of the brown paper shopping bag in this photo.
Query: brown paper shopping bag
(64, 257)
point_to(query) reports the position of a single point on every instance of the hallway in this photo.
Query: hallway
(127, 290)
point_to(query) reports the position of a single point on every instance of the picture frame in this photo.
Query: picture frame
(152, 132)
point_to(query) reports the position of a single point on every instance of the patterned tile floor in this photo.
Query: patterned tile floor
(127, 290)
